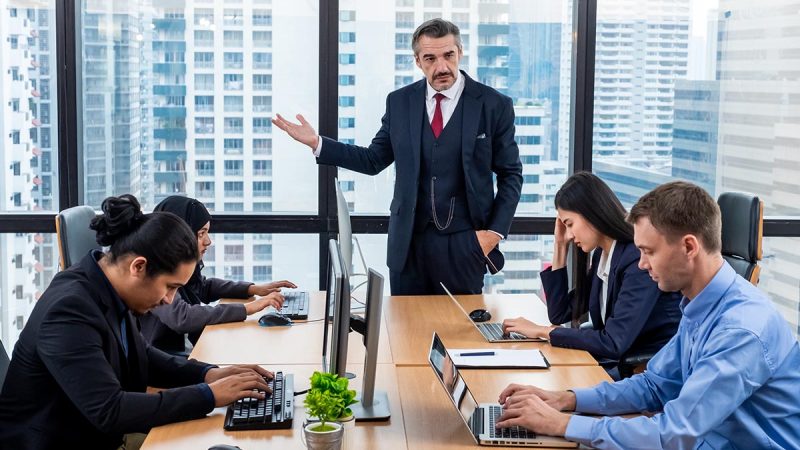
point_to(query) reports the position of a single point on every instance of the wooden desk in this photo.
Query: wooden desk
(208, 431)
(431, 421)
(249, 343)
(411, 321)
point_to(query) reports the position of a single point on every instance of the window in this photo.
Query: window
(347, 80)
(233, 82)
(262, 146)
(204, 82)
(234, 189)
(262, 82)
(204, 17)
(347, 122)
(262, 103)
(204, 103)
(262, 167)
(233, 146)
(203, 38)
(204, 60)
(262, 189)
(232, 38)
(262, 39)
(262, 17)
(347, 58)
(347, 37)
(232, 17)
(347, 16)
(262, 125)
(234, 60)
(204, 146)
(234, 103)
(204, 167)
(403, 62)
(234, 125)
(204, 125)
(347, 101)
(234, 168)
(262, 60)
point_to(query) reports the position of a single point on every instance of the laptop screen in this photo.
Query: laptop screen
(451, 380)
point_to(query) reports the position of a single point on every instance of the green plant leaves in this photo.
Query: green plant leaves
(328, 398)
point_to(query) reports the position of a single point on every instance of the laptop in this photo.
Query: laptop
(480, 419)
(492, 331)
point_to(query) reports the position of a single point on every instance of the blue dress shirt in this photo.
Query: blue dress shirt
(730, 378)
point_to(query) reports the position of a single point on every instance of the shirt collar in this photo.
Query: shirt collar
(116, 300)
(449, 93)
(604, 267)
(699, 307)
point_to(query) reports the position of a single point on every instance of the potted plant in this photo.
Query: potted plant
(328, 399)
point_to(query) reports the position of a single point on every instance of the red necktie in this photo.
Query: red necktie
(437, 123)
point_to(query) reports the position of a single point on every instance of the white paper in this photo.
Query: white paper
(501, 358)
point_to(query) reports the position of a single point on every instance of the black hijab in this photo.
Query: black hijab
(195, 214)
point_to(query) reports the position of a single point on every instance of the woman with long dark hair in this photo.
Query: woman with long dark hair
(628, 313)
(165, 327)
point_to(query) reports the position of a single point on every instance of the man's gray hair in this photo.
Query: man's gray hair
(435, 28)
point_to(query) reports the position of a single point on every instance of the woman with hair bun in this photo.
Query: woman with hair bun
(166, 327)
(79, 372)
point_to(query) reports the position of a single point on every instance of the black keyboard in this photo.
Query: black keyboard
(493, 331)
(274, 412)
(295, 305)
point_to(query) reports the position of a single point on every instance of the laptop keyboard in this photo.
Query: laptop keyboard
(493, 331)
(295, 305)
(274, 412)
(515, 432)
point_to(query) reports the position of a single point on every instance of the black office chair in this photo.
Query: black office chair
(4, 363)
(742, 233)
(74, 236)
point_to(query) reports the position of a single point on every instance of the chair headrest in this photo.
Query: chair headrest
(75, 236)
(741, 225)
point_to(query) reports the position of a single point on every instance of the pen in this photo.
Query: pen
(477, 354)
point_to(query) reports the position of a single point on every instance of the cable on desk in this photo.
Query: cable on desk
(297, 393)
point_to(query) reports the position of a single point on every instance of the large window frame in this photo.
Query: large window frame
(323, 223)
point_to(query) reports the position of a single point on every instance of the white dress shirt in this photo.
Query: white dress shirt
(603, 269)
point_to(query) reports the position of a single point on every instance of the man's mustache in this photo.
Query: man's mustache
(443, 74)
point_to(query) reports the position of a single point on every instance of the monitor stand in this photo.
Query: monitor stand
(377, 410)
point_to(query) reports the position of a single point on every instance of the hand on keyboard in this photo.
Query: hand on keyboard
(268, 288)
(234, 387)
(274, 299)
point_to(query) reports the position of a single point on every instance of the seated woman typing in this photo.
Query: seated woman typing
(628, 313)
(166, 326)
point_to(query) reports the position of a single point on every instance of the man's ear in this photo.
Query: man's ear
(691, 246)
(138, 267)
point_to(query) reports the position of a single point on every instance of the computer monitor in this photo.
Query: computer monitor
(346, 238)
(334, 356)
(372, 404)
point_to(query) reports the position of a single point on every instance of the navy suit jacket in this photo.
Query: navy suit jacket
(488, 148)
(639, 316)
(70, 385)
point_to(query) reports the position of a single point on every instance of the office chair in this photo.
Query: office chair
(75, 238)
(4, 363)
(742, 233)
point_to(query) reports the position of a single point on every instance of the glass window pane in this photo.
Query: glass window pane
(30, 262)
(527, 58)
(780, 277)
(29, 108)
(208, 78)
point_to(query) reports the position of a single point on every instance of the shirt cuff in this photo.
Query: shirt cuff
(586, 399)
(495, 232)
(579, 429)
(319, 146)
(208, 394)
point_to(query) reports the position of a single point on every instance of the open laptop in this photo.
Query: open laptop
(480, 419)
(492, 331)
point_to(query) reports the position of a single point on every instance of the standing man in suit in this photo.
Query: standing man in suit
(447, 135)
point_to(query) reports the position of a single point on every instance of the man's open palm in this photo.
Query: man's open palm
(302, 132)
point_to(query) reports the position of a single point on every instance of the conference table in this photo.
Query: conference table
(422, 414)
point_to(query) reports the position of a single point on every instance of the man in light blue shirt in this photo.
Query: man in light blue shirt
(730, 378)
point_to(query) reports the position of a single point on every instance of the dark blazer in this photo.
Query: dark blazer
(70, 385)
(488, 148)
(639, 316)
(165, 326)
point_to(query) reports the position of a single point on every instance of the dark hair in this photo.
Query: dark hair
(586, 194)
(679, 208)
(435, 28)
(163, 238)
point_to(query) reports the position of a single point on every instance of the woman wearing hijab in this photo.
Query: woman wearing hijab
(165, 327)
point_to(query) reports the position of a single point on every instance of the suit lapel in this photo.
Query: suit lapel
(471, 119)
(416, 112)
(594, 294)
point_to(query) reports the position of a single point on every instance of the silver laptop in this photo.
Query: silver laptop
(481, 418)
(492, 331)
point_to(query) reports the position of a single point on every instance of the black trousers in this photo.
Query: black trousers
(455, 259)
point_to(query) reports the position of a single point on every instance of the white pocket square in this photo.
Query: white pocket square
(481, 136)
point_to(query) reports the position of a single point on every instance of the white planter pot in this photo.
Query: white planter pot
(325, 440)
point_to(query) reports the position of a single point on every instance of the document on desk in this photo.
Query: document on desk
(499, 358)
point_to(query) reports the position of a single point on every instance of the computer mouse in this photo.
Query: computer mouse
(274, 319)
(480, 315)
(224, 447)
